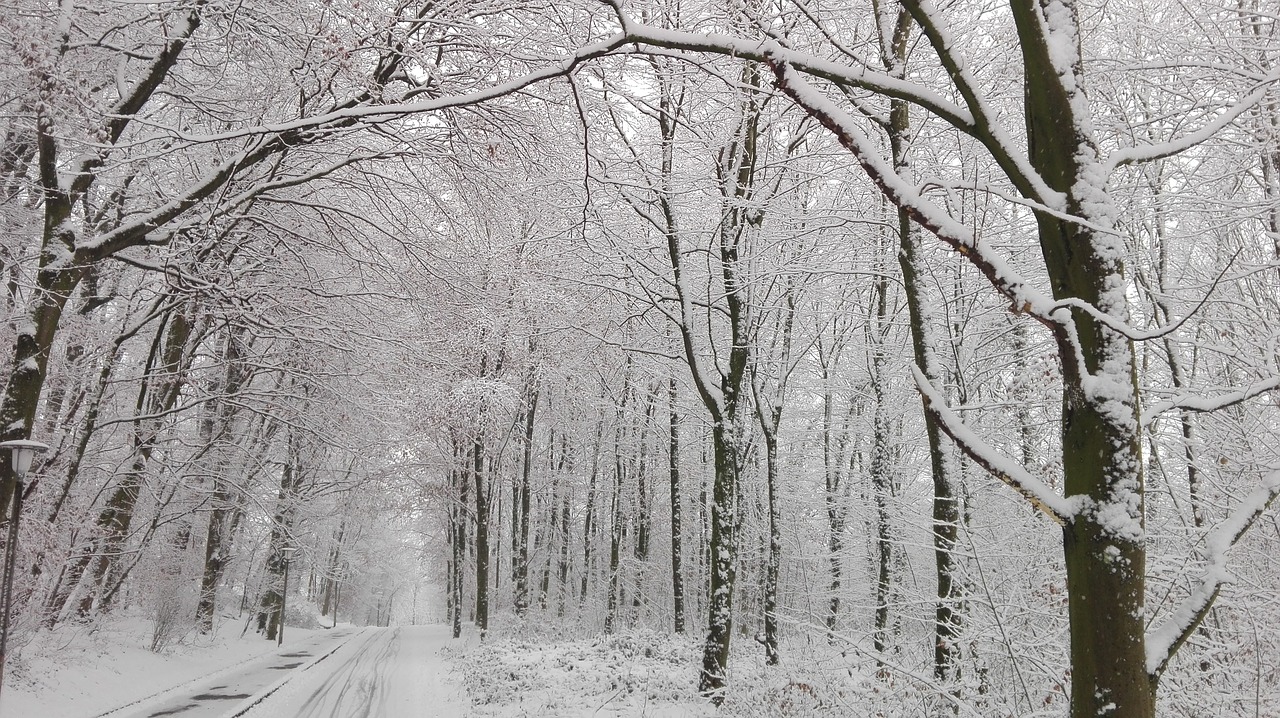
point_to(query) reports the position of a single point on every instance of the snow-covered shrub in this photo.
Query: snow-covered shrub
(627, 674)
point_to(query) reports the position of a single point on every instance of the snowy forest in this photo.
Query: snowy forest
(924, 354)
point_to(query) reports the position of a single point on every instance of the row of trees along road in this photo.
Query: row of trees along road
(935, 343)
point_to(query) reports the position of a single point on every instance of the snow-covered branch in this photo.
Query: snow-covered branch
(1161, 150)
(132, 101)
(861, 77)
(994, 137)
(352, 113)
(1010, 472)
(1206, 404)
(1165, 641)
(927, 214)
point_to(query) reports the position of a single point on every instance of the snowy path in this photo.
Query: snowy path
(214, 696)
(382, 673)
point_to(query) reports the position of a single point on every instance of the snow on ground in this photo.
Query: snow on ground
(81, 672)
(416, 672)
(637, 674)
(654, 675)
(384, 672)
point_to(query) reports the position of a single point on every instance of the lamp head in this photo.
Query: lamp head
(22, 451)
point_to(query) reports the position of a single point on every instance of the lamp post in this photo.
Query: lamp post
(288, 556)
(22, 452)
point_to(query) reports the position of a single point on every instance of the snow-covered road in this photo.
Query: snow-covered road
(360, 673)
(382, 673)
(213, 696)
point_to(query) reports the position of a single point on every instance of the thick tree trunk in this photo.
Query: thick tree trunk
(615, 510)
(216, 555)
(329, 580)
(644, 519)
(31, 351)
(615, 551)
(1104, 543)
(723, 564)
(165, 369)
(566, 533)
(774, 558)
(270, 609)
(216, 428)
(458, 475)
(549, 545)
(881, 469)
(737, 169)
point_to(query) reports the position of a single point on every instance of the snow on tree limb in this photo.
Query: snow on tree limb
(277, 138)
(1161, 150)
(927, 214)
(986, 128)
(1010, 472)
(1164, 642)
(1206, 404)
(350, 114)
(125, 110)
(979, 126)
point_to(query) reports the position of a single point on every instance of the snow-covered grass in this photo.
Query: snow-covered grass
(635, 674)
(643, 673)
(83, 671)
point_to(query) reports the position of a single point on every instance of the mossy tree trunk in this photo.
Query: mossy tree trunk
(1104, 543)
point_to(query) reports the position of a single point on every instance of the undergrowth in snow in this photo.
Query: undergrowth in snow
(634, 674)
(643, 673)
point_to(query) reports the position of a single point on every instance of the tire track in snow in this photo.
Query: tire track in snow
(359, 685)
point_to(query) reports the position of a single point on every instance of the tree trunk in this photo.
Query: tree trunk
(330, 577)
(521, 556)
(482, 534)
(833, 471)
(588, 520)
(615, 509)
(34, 342)
(946, 507)
(216, 429)
(774, 558)
(158, 393)
(270, 609)
(1104, 543)
(677, 538)
(723, 564)
(458, 474)
(881, 469)
(565, 536)
(644, 520)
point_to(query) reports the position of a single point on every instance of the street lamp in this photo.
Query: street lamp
(22, 452)
(288, 554)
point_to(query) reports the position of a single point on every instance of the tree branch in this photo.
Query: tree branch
(1011, 473)
(1164, 642)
